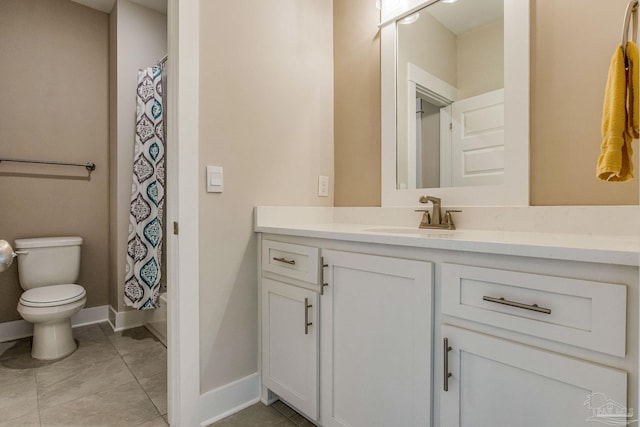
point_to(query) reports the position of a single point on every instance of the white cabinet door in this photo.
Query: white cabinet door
(376, 315)
(495, 382)
(290, 344)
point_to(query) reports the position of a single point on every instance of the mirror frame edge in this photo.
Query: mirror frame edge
(515, 189)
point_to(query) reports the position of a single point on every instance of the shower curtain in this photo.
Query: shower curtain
(144, 247)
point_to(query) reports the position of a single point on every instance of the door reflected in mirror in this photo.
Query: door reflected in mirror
(450, 95)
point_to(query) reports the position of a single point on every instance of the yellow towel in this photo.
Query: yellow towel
(619, 117)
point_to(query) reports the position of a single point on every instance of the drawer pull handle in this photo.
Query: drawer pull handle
(286, 261)
(446, 374)
(532, 307)
(307, 306)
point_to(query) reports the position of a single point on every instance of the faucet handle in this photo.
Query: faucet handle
(448, 218)
(426, 217)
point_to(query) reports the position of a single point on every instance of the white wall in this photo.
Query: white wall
(138, 40)
(266, 116)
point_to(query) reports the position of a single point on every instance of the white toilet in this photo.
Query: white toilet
(48, 268)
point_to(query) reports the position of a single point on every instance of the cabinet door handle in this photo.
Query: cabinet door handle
(445, 356)
(307, 306)
(532, 307)
(286, 261)
(322, 283)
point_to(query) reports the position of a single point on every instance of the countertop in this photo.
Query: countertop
(608, 249)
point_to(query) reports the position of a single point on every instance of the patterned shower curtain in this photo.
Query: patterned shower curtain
(144, 248)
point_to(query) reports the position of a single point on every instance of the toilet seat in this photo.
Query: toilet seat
(53, 295)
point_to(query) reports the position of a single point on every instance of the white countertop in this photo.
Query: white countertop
(608, 249)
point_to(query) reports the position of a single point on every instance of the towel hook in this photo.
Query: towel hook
(632, 11)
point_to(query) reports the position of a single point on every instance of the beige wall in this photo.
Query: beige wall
(266, 116)
(429, 45)
(357, 103)
(480, 58)
(572, 43)
(138, 40)
(54, 106)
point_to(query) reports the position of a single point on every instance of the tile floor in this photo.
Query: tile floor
(259, 415)
(112, 379)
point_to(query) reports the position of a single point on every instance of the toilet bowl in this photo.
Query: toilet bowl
(47, 268)
(50, 308)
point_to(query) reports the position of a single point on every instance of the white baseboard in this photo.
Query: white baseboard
(88, 316)
(10, 331)
(227, 400)
(121, 320)
(17, 329)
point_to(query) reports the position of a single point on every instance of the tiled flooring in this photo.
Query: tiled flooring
(112, 379)
(260, 415)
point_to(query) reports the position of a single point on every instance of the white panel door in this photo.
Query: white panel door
(477, 140)
(495, 382)
(290, 344)
(376, 315)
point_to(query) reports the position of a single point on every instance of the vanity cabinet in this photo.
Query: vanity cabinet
(488, 380)
(496, 382)
(376, 322)
(290, 325)
(353, 334)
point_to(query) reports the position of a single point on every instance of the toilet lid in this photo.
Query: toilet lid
(47, 296)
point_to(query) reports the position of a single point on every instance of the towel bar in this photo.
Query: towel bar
(89, 166)
(632, 11)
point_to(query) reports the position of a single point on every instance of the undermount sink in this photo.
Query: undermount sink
(425, 232)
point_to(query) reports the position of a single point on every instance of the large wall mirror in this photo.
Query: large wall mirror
(455, 101)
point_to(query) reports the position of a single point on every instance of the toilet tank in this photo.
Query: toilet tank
(48, 261)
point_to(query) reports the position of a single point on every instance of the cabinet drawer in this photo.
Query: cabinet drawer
(583, 313)
(286, 259)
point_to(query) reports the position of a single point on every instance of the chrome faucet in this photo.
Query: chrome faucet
(435, 219)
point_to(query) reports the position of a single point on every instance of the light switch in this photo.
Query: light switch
(215, 179)
(323, 186)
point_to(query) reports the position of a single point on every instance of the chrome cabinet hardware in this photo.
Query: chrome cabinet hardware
(307, 306)
(445, 356)
(286, 261)
(322, 283)
(532, 307)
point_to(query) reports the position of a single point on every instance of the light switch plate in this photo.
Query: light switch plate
(215, 179)
(323, 186)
